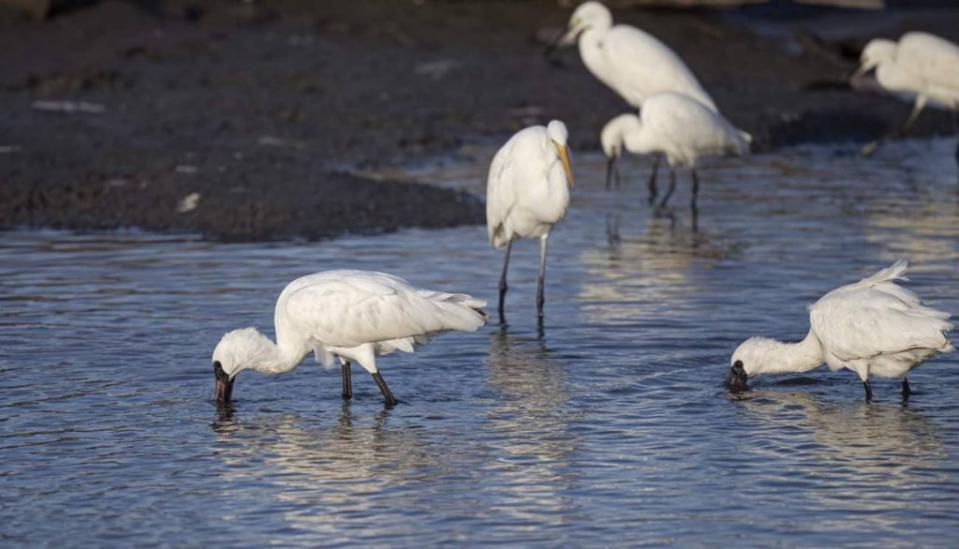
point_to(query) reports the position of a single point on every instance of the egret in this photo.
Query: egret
(351, 315)
(874, 327)
(680, 128)
(921, 68)
(527, 192)
(633, 63)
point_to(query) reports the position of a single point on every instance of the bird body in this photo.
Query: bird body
(677, 126)
(873, 327)
(634, 63)
(352, 315)
(527, 192)
(920, 64)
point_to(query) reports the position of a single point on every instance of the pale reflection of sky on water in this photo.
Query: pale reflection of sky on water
(611, 429)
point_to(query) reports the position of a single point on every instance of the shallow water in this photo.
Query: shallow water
(612, 428)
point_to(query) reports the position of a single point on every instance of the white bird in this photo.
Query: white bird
(921, 68)
(527, 192)
(678, 127)
(873, 327)
(633, 63)
(352, 315)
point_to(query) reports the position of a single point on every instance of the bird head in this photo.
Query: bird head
(589, 15)
(876, 52)
(750, 358)
(556, 131)
(237, 350)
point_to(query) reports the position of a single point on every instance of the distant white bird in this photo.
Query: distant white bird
(920, 68)
(352, 315)
(873, 327)
(527, 192)
(633, 63)
(678, 127)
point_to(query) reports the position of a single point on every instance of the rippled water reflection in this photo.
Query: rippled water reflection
(611, 429)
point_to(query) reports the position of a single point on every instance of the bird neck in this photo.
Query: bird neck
(798, 357)
(279, 358)
(636, 139)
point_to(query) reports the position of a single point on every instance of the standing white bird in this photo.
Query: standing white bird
(633, 63)
(527, 192)
(921, 68)
(873, 327)
(678, 127)
(352, 315)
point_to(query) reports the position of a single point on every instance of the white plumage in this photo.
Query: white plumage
(635, 64)
(874, 327)
(353, 315)
(678, 127)
(920, 68)
(527, 192)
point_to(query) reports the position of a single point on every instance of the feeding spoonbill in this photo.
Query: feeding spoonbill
(678, 127)
(874, 327)
(527, 192)
(351, 315)
(921, 68)
(633, 63)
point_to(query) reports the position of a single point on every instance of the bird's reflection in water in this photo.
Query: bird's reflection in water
(325, 472)
(859, 457)
(641, 270)
(925, 234)
(529, 427)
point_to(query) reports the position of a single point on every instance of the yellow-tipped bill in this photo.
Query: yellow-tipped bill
(563, 151)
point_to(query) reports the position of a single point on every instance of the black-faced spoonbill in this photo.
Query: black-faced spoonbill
(678, 127)
(874, 327)
(527, 192)
(921, 68)
(351, 315)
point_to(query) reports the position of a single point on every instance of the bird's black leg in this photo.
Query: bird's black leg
(653, 191)
(502, 283)
(347, 381)
(869, 149)
(541, 286)
(610, 171)
(388, 397)
(692, 203)
(672, 187)
(868, 390)
(906, 391)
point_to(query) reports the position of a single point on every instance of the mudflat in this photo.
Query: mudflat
(246, 121)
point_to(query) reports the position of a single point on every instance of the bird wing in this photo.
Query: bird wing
(642, 66)
(685, 123)
(349, 308)
(499, 190)
(934, 58)
(875, 316)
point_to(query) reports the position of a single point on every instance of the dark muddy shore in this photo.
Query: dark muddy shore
(243, 121)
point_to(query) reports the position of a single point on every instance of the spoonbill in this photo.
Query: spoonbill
(678, 127)
(527, 192)
(873, 327)
(633, 63)
(352, 315)
(921, 68)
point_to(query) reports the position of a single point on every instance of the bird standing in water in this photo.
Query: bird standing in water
(921, 68)
(527, 192)
(874, 327)
(352, 315)
(680, 128)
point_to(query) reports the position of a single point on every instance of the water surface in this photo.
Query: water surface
(611, 428)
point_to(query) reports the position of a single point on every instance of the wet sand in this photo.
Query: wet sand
(246, 122)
